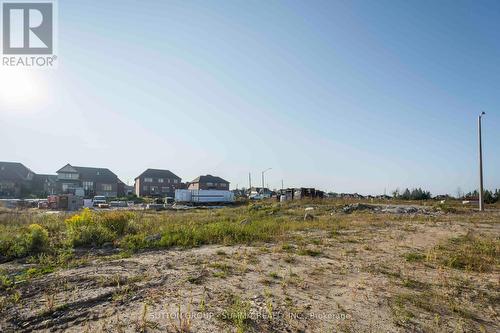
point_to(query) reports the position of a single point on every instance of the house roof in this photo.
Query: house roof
(14, 171)
(98, 174)
(209, 179)
(95, 174)
(158, 173)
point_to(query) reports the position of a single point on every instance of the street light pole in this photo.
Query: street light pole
(263, 172)
(481, 203)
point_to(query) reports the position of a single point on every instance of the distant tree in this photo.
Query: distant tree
(406, 195)
(488, 197)
(474, 194)
(414, 194)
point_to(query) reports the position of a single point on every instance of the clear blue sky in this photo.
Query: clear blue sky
(350, 96)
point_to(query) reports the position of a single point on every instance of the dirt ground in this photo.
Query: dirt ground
(359, 279)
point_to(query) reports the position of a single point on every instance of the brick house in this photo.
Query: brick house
(155, 182)
(94, 181)
(209, 182)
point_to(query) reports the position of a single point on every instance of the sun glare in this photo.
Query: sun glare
(19, 89)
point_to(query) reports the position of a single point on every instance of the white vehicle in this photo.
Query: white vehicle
(259, 196)
(98, 200)
(204, 196)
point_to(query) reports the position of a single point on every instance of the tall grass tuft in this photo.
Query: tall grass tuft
(472, 252)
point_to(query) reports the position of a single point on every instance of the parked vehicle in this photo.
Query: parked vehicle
(155, 206)
(256, 196)
(203, 196)
(44, 204)
(121, 204)
(98, 200)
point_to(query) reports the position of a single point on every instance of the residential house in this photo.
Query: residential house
(209, 182)
(124, 189)
(300, 193)
(156, 182)
(93, 181)
(44, 185)
(351, 196)
(16, 180)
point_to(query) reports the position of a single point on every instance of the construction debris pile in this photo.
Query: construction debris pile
(388, 209)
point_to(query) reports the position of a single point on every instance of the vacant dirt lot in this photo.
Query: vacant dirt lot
(371, 272)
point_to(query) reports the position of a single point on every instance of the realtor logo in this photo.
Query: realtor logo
(28, 28)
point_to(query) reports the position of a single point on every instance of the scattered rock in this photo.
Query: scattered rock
(357, 207)
(308, 216)
(153, 238)
(107, 245)
(308, 209)
(244, 222)
(384, 209)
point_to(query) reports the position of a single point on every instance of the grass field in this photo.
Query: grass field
(261, 267)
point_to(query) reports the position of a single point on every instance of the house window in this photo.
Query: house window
(145, 188)
(67, 186)
(148, 180)
(154, 189)
(164, 189)
(210, 184)
(107, 187)
(68, 176)
(175, 181)
(88, 185)
(160, 180)
(168, 180)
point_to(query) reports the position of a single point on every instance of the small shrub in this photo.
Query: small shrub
(445, 208)
(309, 252)
(135, 242)
(414, 256)
(37, 239)
(477, 253)
(116, 222)
(85, 229)
(5, 282)
(31, 241)
(238, 313)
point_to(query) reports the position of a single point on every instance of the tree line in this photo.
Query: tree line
(414, 194)
(488, 196)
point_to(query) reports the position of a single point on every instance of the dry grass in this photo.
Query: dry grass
(435, 272)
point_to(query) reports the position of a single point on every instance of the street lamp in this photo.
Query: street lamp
(481, 203)
(263, 172)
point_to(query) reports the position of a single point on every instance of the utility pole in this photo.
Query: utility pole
(481, 203)
(282, 185)
(263, 172)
